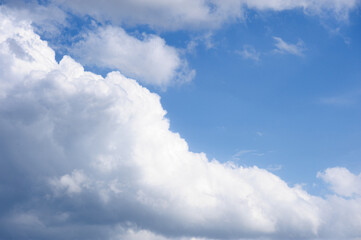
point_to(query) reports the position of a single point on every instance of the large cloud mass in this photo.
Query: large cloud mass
(87, 157)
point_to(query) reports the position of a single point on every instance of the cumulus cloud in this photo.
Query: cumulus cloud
(342, 181)
(149, 60)
(196, 13)
(88, 157)
(289, 48)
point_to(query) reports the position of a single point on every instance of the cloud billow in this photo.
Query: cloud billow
(149, 60)
(88, 157)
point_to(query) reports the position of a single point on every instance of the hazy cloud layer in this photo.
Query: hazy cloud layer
(87, 157)
(197, 13)
(186, 14)
(149, 60)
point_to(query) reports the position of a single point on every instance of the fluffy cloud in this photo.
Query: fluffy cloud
(88, 157)
(342, 181)
(149, 60)
(196, 13)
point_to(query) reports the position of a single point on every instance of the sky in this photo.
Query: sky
(180, 120)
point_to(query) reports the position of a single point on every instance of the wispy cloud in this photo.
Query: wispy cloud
(289, 48)
(337, 101)
(249, 52)
(274, 168)
(206, 40)
(238, 155)
(346, 99)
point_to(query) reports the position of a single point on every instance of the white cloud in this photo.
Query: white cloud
(157, 13)
(197, 13)
(238, 155)
(249, 52)
(342, 181)
(106, 144)
(150, 60)
(48, 19)
(284, 47)
(274, 168)
(73, 183)
(337, 6)
(139, 234)
(181, 14)
(204, 39)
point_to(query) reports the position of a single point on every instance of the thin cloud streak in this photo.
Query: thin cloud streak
(288, 48)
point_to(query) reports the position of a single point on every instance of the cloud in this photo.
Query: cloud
(249, 52)
(337, 101)
(73, 183)
(342, 181)
(346, 99)
(284, 47)
(139, 234)
(188, 14)
(87, 157)
(196, 13)
(274, 168)
(49, 19)
(204, 39)
(237, 156)
(149, 59)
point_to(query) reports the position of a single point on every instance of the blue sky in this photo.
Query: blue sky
(180, 120)
(301, 112)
